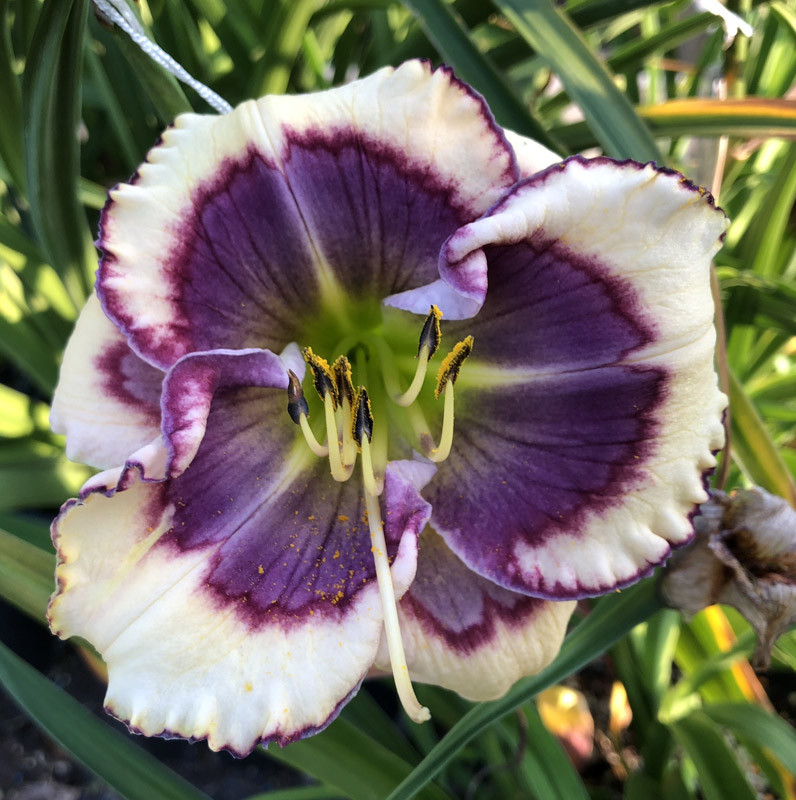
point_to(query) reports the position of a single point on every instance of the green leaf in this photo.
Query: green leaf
(162, 88)
(719, 772)
(751, 722)
(752, 445)
(608, 112)
(34, 474)
(26, 575)
(51, 107)
(352, 762)
(743, 117)
(123, 765)
(550, 759)
(611, 619)
(299, 793)
(446, 29)
(11, 151)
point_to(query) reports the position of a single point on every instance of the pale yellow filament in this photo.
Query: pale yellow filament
(339, 472)
(446, 439)
(392, 628)
(410, 395)
(320, 450)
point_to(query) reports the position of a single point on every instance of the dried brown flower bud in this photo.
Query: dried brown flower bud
(744, 555)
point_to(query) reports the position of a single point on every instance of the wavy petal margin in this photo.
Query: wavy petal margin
(467, 634)
(289, 204)
(240, 625)
(590, 410)
(107, 401)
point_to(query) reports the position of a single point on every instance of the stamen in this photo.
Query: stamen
(362, 433)
(443, 449)
(446, 378)
(392, 628)
(322, 377)
(431, 335)
(339, 471)
(299, 412)
(452, 363)
(341, 369)
(430, 338)
(410, 395)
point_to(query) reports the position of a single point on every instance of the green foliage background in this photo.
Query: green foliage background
(79, 107)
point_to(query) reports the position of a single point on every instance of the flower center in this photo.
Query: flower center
(352, 430)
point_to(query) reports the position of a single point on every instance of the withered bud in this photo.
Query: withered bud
(744, 555)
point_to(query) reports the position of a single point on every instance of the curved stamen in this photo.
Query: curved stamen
(443, 449)
(339, 471)
(299, 412)
(410, 395)
(320, 450)
(392, 629)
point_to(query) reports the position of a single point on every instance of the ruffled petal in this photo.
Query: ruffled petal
(531, 156)
(107, 398)
(467, 634)
(289, 203)
(236, 602)
(589, 412)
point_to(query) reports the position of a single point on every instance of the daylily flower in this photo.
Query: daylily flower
(267, 539)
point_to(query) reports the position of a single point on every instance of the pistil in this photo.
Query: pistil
(350, 430)
(392, 628)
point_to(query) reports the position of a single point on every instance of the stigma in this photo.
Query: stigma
(356, 428)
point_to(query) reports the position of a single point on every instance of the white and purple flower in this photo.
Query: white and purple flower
(237, 581)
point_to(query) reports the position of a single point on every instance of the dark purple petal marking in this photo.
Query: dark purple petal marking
(453, 603)
(286, 542)
(536, 460)
(378, 218)
(130, 381)
(548, 308)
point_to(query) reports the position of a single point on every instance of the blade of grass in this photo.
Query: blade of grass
(611, 619)
(11, 149)
(124, 766)
(450, 36)
(746, 117)
(718, 770)
(754, 448)
(51, 107)
(352, 762)
(608, 112)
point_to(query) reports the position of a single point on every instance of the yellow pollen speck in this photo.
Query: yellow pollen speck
(311, 517)
(336, 554)
(151, 529)
(260, 569)
(342, 517)
(248, 686)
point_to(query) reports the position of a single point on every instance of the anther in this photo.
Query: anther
(430, 337)
(299, 411)
(322, 376)
(452, 363)
(362, 432)
(362, 418)
(296, 402)
(341, 369)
